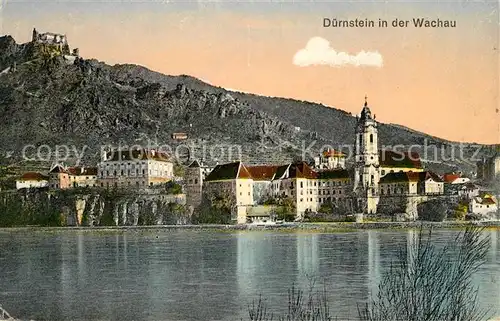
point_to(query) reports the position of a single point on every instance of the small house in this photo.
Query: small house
(179, 136)
(32, 180)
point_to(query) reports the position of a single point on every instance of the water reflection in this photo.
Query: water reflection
(187, 275)
(373, 264)
(307, 260)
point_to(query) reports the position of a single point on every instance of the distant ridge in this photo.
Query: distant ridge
(55, 101)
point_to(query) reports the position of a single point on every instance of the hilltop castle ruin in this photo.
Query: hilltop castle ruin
(52, 43)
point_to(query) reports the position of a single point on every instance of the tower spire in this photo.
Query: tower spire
(366, 100)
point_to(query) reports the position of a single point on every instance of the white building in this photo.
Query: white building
(468, 191)
(134, 168)
(410, 184)
(330, 159)
(234, 182)
(483, 205)
(82, 176)
(298, 182)
(366, 169)
(32, 180)
(262, 176)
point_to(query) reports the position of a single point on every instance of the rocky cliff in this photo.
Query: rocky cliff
(87, 103)
(91, 208)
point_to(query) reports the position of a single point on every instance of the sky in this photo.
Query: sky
(441, 81)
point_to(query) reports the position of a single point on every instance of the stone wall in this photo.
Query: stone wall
(87, 207)
(399, 208)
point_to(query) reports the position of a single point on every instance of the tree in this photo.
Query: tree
(433, 210)
(270, 201)
(286, 210)
(214, 209)
(460, 211)
(172, 187)
(326, 208)
(179, 170)
(431, 284)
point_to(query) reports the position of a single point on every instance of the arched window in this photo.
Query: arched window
(371, 138)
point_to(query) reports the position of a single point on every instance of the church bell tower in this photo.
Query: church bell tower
(366, 171)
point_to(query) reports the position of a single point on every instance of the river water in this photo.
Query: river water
(199, 275)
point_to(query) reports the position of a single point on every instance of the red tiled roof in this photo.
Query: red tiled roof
(487, 201)
(82, 171)
(333, 153)
(262, 172)
(243, 172)
(389, 158)
(33, 176)
(449, 178)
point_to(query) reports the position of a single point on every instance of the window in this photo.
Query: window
(382, 172)
(196, 181)
(301, 184)
(371, 138)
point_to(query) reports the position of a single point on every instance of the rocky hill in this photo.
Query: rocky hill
(86, 103)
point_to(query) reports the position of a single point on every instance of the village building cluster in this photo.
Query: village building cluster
(139, 168)
(376, 175)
